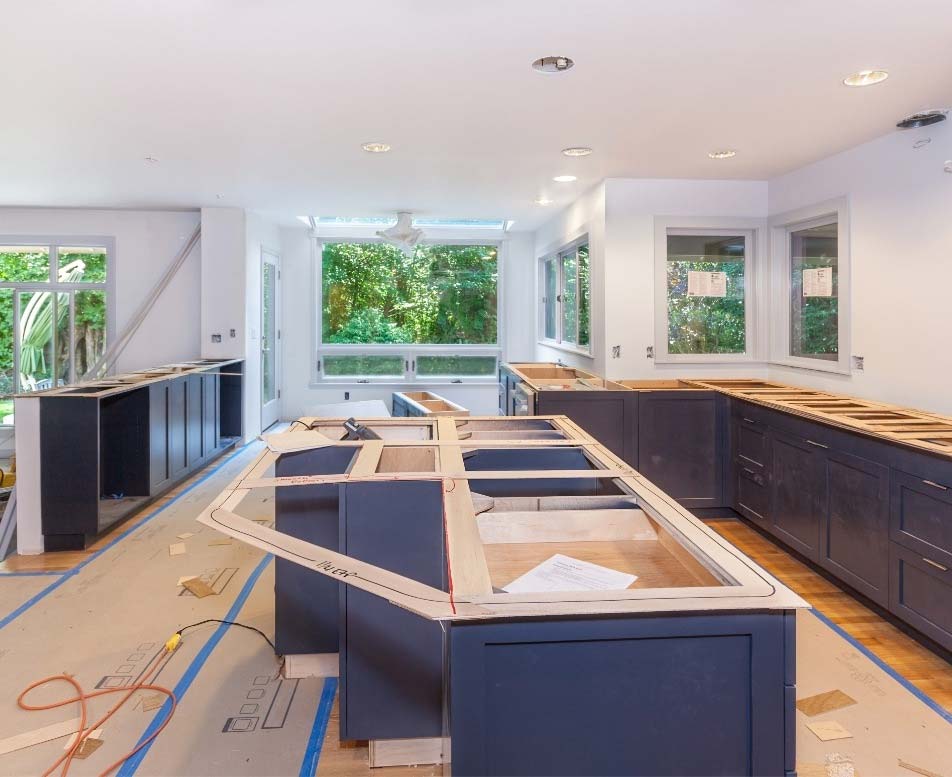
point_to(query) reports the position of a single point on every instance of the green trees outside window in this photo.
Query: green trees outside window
(441, 295)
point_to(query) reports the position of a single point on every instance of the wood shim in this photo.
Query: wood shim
(177, 549)
(198, 587)
(918, 769)
(39, 735)
(824, 702)
(828, 730)
(153, 702)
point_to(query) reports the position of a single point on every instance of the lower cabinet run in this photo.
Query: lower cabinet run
(853, 506)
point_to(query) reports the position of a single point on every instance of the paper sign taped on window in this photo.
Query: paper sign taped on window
(707, 284)
(818, 282)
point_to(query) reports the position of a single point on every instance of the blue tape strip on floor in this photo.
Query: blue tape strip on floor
(312, 754)
(7, 620)
(928, 701)
(130, 766)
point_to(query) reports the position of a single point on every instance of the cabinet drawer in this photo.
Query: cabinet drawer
(920, 592)
(750, 442)
(753, 496)
(921, 516)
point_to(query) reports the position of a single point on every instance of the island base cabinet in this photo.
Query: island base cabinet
(920, 592)
(692, 695)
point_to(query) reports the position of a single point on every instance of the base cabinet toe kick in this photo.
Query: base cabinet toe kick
(406, 573)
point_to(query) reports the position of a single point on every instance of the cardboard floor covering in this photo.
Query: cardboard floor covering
(103, 625)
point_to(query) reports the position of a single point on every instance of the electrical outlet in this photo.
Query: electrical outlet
(858, 363)
(216, 338)
(649, 352)
(232, 333)
(616, 351)
(346, 395)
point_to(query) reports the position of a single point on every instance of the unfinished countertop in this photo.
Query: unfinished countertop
(904, 426)
(119, 384)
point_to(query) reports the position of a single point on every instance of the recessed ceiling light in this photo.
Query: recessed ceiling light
(923, 119)
(553, 64)
(724, 154)
(577, 151)
(376, 148)
(219, 196)
(866, 78)
(151, 159)
(565, 178)
(543, 201)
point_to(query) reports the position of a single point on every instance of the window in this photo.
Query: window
(386, 316)
(53, 314)
(814, 306)
(811, 306)
(567, 298)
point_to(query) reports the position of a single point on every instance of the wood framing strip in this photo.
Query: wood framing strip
(368, 459)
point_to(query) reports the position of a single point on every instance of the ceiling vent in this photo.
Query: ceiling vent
(403, 234)
(924, 119)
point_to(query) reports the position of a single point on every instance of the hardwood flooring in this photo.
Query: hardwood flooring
(923, 668)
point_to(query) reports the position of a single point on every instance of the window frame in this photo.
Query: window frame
(753, 231)
(408, 351)
(781, 226)
(53, 244)
(557, 256)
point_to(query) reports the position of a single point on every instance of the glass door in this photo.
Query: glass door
(270, 339)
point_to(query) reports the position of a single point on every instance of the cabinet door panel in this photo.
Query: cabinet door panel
(753, 495)
(750, 441)
(854, 537)
(680, 445)
(158, 435)
(178, 457)
(797, 493)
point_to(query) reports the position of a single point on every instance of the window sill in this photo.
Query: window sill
(354, 384)
(808, 364)
(566, 348)
(712, 358)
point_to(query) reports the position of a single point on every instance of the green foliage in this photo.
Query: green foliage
(37, 357)
(456, 365)
(344, 366)
(703, 325)
(442, 294)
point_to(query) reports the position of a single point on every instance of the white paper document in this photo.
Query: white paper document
(563, 573)
(707, 284)
(818, 282)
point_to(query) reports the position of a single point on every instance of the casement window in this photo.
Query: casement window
(811, 306)
(388, 317)
(54, 312)
(566, 303)
(705, 291)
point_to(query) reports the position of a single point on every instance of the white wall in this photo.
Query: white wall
(516, 313)
(631, 206)
(584, 216)
(619, 217)
(900, 206)
(146, 243)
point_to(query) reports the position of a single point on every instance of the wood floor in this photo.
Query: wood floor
(923, 668)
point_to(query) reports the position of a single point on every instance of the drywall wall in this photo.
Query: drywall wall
(224, 259)
(900, 207)
(146, 242)
(585, 216)
(619, 218)
(631, 207)
(299, 286)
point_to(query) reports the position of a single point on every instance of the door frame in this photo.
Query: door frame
(271, 410)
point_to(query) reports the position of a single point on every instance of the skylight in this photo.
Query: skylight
(386, 221)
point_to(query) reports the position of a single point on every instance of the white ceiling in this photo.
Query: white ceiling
(267, 103)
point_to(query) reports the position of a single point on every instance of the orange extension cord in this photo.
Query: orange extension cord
(82, 697)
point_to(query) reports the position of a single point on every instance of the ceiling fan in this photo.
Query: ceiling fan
(403, 234)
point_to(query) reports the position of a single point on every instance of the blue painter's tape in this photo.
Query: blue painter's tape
(130, 766)
(8, 619)
(312, 754)
(929, 702)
